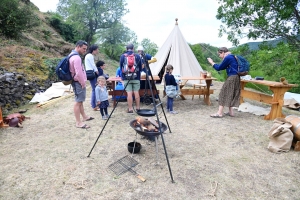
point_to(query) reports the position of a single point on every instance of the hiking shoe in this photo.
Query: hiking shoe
(173, 112)
(104, 117)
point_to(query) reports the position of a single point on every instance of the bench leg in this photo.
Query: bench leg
(2, 124)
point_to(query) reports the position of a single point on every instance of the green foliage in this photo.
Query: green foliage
(90, 16)
(272, 63)
(51, 64)
(202, 52)
(16, 17)
(260, 19)
(66, 30)
(115, 39)
(149, 47)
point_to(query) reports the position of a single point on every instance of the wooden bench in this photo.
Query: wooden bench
(276, 101)
(115, 93)
(204, 91)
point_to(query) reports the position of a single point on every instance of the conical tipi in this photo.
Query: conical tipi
(176, 51)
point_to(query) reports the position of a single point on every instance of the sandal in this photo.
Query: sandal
(228, 114)
(89, 119)
(216, 116)
(84, 126)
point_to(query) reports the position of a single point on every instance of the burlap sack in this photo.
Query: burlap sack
(280, 136)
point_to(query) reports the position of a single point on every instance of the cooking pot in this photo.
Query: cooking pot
(134, 147)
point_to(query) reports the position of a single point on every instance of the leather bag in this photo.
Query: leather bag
(90, 74)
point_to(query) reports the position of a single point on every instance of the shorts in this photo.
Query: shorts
(133, 85)
(80, 92)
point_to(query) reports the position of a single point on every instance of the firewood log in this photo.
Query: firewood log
(151, 127)
(153, 122)
(143, 121)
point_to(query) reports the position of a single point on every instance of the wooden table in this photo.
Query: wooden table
(206, 92)
(115, 93)
(276, 100)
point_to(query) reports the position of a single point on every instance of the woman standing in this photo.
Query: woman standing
(231, 89)
(89, 62)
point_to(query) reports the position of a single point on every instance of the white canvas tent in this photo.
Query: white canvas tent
(176, 51)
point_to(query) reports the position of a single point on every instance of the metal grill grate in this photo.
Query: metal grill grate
(123, 165)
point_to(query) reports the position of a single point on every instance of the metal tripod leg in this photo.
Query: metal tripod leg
(156, 147)
(160, 128)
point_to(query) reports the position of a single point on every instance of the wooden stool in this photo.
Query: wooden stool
(2, 125)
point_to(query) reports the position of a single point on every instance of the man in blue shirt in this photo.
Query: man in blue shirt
(132, 81)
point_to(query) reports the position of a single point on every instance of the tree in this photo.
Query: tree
(149, 47)
(115, 39)
(267, 19)
(16, 17)
(89, 16)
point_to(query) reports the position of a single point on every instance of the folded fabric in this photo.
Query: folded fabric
(280, 136)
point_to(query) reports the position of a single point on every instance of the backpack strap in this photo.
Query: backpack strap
(237, 64)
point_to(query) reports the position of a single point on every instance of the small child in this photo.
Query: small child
(170, 80)
(102, 97)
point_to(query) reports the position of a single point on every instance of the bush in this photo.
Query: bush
(67, 31)
(16, 17)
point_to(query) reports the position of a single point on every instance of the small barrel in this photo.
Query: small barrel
(295, 121)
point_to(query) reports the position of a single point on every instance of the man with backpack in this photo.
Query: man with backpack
(131, 66)
(79, 83)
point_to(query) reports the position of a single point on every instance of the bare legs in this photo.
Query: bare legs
(220, 112)
(79, 110)
(137, 99)
(130, 101)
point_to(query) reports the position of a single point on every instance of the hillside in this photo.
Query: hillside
(27, 64)
(253, 46)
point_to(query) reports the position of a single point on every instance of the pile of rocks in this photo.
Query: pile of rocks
(15, 90)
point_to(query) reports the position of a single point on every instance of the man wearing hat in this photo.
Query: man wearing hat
(132, 83)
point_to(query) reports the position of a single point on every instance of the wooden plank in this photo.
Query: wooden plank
(195, 91)
(257, 96)
(269, 83)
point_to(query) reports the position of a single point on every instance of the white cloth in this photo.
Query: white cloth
(89, 62)
(56, 90)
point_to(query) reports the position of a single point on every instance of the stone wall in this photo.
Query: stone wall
(16, 91)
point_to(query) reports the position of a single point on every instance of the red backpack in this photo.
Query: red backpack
(129, 63)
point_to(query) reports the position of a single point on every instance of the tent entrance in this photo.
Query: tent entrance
(163, 69)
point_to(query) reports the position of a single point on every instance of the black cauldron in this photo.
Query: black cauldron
(137, 147)
(147, 133)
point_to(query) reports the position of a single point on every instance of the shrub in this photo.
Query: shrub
(16, 17)
(67, 31)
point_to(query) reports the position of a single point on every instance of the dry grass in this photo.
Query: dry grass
(210, 158)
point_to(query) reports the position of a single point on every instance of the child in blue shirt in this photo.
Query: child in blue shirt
(102, 97)
(170, 80)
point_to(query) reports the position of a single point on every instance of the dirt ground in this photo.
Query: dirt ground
(210, 158)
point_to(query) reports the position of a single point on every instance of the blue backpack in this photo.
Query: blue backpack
(63, 71)
(243, 65)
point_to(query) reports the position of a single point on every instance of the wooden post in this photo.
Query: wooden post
(2, 125)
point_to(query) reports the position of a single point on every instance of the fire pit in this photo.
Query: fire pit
(138, 128)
